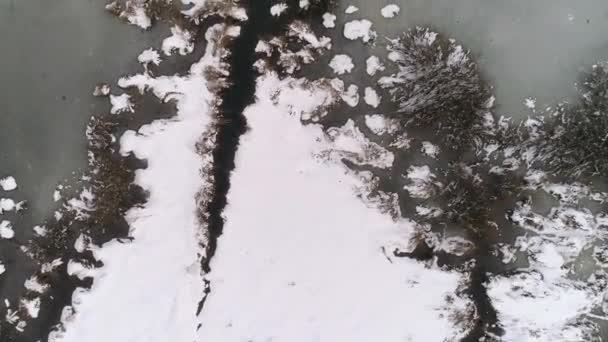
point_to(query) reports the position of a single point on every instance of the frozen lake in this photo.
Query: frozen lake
(525, 48)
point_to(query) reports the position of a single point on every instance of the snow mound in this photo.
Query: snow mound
(341, 64)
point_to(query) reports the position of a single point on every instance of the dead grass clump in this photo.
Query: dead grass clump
(575, 139)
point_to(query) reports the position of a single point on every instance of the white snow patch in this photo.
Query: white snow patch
(6, 204)
(359, 29)
(31, 306)
(8, 183)
(379, 124)
(278, 9)
(6, 230)
(371, 97)
(373, 65)
(121, 103)
(341, 64)
(390, 11)
(530, 102)
(329, 20)
(149, 56)
(180, 40)
(351, 9)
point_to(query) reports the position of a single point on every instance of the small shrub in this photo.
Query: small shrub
(438, 85)
(574, 140)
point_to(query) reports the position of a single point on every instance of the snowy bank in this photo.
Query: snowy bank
(149, 288)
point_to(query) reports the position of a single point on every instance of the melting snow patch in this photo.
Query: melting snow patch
(390, 11)
(341, 64)
(371, 97)
(329, 20)
(8, 183)
(362, 29)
